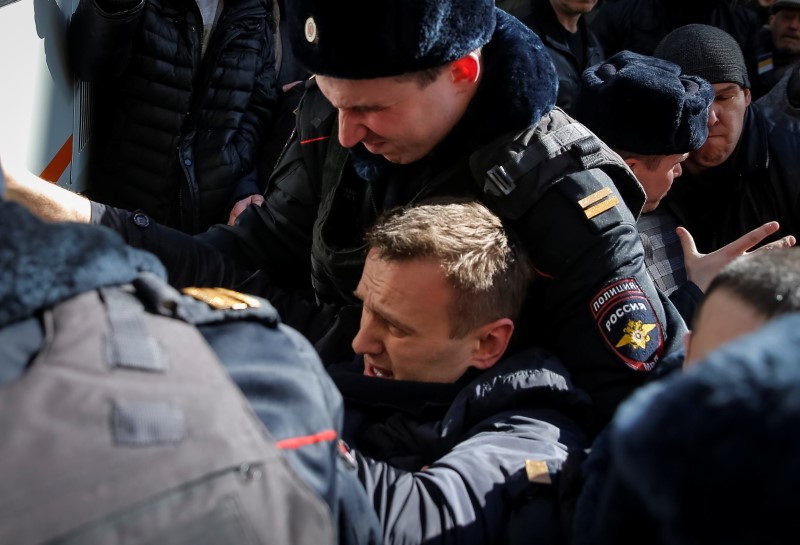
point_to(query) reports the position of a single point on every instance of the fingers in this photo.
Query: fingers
(237, 209)
(748, 240)
(786, 242)
(240, 206)
(687, 242)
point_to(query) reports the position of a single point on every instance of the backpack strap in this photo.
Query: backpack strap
(128, 344)
(500, 179)
(543, 156)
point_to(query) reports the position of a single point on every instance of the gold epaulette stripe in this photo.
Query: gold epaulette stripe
(598, 202)
(537, 472)
(594, 197)
(222, 298)
(601, 207)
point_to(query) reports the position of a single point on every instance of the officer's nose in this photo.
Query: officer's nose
(351, 128)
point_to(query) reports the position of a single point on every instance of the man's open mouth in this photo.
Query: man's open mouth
(380, 373)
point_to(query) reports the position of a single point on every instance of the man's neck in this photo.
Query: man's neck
(568, 20)
(692, 167)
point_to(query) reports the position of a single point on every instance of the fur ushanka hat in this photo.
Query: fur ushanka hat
(644, 105)
(703, 457)
(365, 39)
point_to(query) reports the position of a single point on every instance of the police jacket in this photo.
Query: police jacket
(639, 25)
(543, 21)
(663, 470)
(175, 129)
(572, 201)
(45, 313)
(758, 183)
(446, 463)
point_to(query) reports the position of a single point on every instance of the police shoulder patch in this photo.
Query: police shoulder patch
(628, 323)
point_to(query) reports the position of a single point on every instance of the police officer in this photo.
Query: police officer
(412, 100)
(156, 431)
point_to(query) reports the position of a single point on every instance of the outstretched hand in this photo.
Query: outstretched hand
(44, 199)
(702, 268)
(240, 206)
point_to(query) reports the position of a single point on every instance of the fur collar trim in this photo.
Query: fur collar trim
(44, 263)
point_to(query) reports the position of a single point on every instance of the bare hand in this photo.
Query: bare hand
(702, 268)
(239, 207)
(44, 199)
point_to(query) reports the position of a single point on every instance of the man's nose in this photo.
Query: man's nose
(366, 340)
(351, 129)
(713, 118)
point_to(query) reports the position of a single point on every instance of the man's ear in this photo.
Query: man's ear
(466, 69)
(492, 341)
(633, 164)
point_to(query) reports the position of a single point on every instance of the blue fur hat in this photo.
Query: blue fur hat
(364, 39)
(710, 456)
(644, 105)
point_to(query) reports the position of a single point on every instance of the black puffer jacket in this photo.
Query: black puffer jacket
(177, 129)
(542, 20)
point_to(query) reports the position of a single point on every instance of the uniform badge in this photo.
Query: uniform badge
(310, 30)
(628, 324)
(221, 298)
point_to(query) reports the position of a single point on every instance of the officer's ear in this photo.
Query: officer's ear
(491, 342)
(467, 69)
(633, 164)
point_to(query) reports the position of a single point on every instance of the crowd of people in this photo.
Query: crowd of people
(447, 271)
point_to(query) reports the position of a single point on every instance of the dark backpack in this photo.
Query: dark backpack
(126, 428)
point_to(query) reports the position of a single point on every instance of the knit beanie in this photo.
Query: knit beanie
(644, 105)
(781, 4)
(705, 51)
(365, 39)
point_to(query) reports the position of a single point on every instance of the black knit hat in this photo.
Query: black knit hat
(781, 4)
(364, 39)
(705, 51)
(643, 105)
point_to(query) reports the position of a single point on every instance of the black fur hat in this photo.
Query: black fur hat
(643, 105)
(364, 39)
